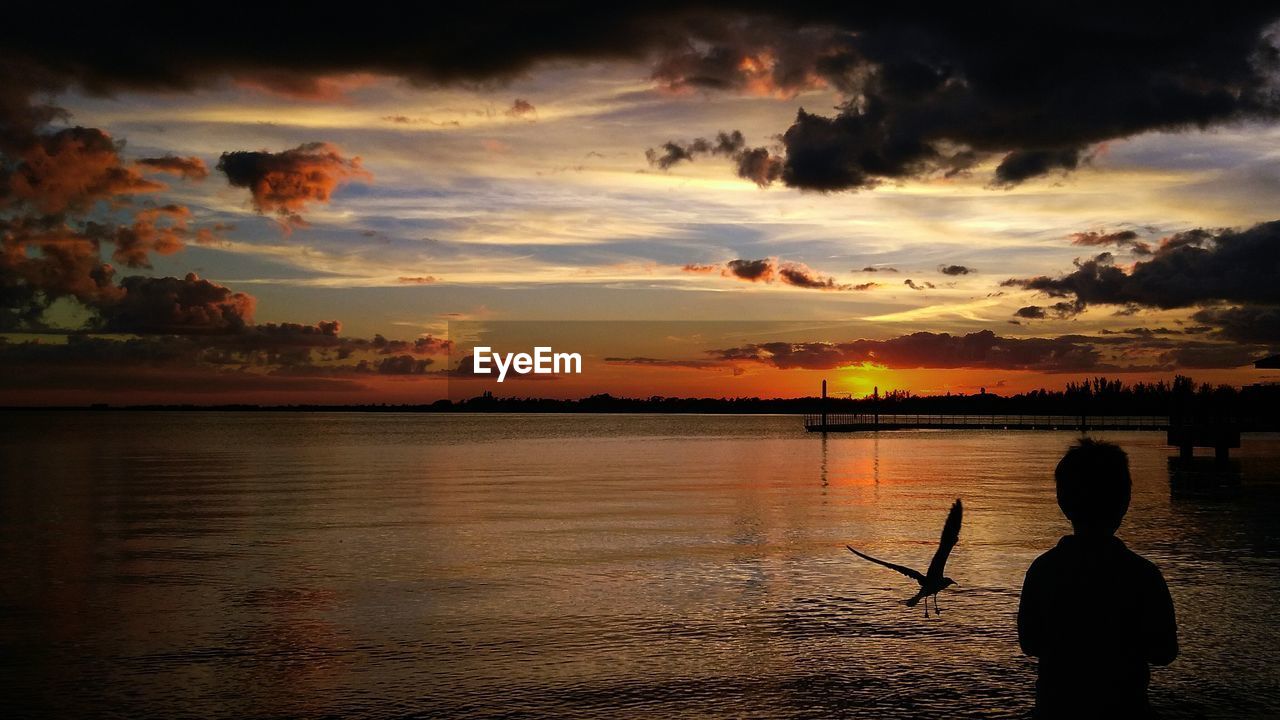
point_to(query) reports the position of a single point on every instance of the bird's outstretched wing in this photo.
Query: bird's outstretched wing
(914, 575)
(950, 536)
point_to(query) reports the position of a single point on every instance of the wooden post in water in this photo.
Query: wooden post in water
(824, 405)
(875, 406)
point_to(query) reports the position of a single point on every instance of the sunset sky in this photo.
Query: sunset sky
(297, 215)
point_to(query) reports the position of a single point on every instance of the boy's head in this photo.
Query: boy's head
(1093, 486)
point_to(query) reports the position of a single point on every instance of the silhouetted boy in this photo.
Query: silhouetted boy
(1093, 611)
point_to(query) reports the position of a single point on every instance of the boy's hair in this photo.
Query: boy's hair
(1094, 485)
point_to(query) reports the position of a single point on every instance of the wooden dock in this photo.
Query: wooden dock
(1221, 436)
(1183, 431)
(868, 422)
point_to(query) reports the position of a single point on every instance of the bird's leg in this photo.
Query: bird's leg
(936, 609)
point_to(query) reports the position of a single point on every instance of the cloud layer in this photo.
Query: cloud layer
(1229, 274)
(769, 270)
(925, 93)
(985, 349)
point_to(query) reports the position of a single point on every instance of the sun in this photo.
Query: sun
(861, 380)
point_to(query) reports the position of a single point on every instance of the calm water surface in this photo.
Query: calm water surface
(220, 565)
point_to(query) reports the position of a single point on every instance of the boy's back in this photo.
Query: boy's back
(1095, 614)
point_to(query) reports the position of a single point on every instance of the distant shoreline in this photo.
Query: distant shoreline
(1098, 398)
(427, 409)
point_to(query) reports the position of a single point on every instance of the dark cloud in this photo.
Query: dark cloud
(1066, 309)
(755, 164)
(1120, 238)
(758, 165)
(1151, 352)
(403, 365)
(222, 356)
(1021, 165)
(177, 306)
(1094, 238)
(1243, 323)
(1187, 269)
(445, 45)
(1060, 310)
(871, 269)
(674, 152)
(850, 151)
(1229, 275)
(127, 367)
(801, 276)
(768, 270)
(956, 270)
(918, 286)
(1199, 356)
(666, 363)
(752, 270)
(287, 357)
(304, 347)
(751, 56)
(1142, 331)
(728, 143)
(927, 93)
(927, 350)
(324, 332)
(188, 168)
(520, 108)
(425, 345)
(285, 182)
(936, 96)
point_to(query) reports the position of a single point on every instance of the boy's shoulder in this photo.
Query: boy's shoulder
(1072, 547)
(1046, 560)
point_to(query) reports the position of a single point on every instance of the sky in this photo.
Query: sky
(935, 204)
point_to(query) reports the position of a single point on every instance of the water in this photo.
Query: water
(223, 565)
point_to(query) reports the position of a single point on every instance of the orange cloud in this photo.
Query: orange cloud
(285, 182)
(50, 250)
(41, 262)
(767, 270)
(158, 230)
(72, 169)
(188, 168)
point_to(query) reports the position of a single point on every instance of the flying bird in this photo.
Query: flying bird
(932, 582)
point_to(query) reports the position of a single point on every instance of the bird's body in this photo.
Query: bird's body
(932, 582)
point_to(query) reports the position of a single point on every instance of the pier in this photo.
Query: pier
(869, 422)
(1184, 432)
(1221, 436)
